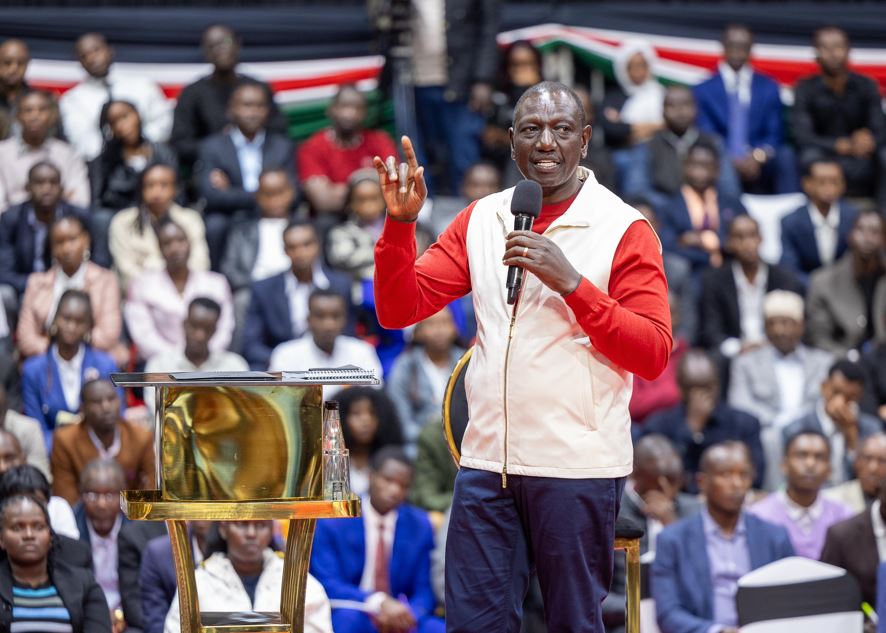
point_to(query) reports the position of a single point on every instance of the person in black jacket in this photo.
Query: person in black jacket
(55, 592)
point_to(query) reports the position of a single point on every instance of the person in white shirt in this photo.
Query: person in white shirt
(324, 345)
(244, 574)
(81, 106)
(199, 326)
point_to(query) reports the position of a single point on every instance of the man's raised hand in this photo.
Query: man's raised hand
(403, 184)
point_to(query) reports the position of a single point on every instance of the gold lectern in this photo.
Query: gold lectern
(239, 447)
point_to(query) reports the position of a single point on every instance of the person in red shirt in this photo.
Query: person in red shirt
(329, 157)
(548, 446)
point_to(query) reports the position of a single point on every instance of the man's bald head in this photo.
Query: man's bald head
(652, 450)
(696, 368)
(548, 88)
(870, 463)
(102, 474)
(657, 466)
(11, 453)
(723, 452)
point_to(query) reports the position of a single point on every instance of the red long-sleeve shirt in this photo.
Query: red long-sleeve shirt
(631, 325)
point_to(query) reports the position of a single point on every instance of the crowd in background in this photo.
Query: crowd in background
(138, 234)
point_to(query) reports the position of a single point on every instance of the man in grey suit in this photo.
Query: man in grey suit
(781, 379)
(837, 415)
(651, 500)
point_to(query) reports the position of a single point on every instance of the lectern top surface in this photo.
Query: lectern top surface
(323, 376)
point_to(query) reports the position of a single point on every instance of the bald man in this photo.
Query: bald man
(699, 560)
(870, 470)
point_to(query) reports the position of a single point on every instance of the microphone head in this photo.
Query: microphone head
(526, 199)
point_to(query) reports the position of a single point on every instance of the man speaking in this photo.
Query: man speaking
(548, 445)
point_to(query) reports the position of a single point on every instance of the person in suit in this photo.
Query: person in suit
(131, 543)
(743, 108)
(733, 294)
(382, 559)
(156, 582)
(853, 545)
(695, 220)
(699, 560)
(51, 382)
(870, 470)
(101, 434)
(702, 419)
(817, 233)
(231, 162)
(278, 305)
(100, 520)
(65, 595)
(24, 227)
(651, 500)
(846, 300)
(836, 414)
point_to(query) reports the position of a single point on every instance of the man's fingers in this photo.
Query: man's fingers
(404, 177)
(409, 152)
(379, 165)
(391, 167)
(421, 189)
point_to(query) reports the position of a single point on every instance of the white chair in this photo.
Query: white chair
(768, 212)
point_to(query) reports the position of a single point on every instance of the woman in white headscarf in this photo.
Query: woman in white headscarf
(634, 113)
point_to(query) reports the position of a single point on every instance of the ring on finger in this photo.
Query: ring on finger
(525, 251)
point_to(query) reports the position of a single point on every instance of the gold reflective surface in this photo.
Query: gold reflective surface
(240, 443)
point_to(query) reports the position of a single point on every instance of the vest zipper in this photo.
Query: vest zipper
(504, 469)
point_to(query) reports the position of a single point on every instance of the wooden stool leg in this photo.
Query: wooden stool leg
(295, 572)
(632, 556)
(184, 576)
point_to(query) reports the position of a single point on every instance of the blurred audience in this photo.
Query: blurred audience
(131, 543)
(350, 246)
(25, 479)
(599, 158)
(28, 446)
(870, 470)
(81, 106)
(480, 180)
(14, 60)
(101, 434)
(435, 470)
(133, 232)
(632, 111)
(699, 559)
(158, 300)
(35, 143)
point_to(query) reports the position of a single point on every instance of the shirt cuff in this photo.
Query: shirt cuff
(585, 299)
(395, 230)
(373, 602)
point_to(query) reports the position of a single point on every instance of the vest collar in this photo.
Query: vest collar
(576, 216)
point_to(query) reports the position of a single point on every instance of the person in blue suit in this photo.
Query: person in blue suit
(744, 108)
(699, 559)
(51, 382)
(278, 306)
(817, 233)
(376, 569)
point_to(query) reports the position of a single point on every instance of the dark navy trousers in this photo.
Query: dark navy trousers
(561, 528)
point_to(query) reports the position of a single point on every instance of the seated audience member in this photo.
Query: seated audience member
(328, 158)
(598, 158)
(694, 222)
(350, 246)
(800, 508)
(17, 477)
(24, 227)
(131, 544)
(156, 576)
(201, 107)
(278, 305)
(657, 169)
(418, 380)
(158, 300)
(100, 519)
(817, 233)
(838, 115)
(733, 294)
(39, 589)
(68, 242)
(874, 363)
(651, 500)
(836, 415)
(847, 299)
(855, 545)
(27, 432)
(434, 470)
(381, 559)
(369, 424)
(480, 180)
(14, 60)
(743, 108)
(699, 560)
(324, 344)
(133, 233)
(196, 353)
(703, 419)
(116, 173)
(245, 574)
(36, 144)
(101, 434)
(51, 382)
(231, 162)
(651, 396)
(81, 106)
(870, 470)
(780, 379)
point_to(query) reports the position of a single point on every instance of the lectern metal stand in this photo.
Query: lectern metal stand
(237, 448)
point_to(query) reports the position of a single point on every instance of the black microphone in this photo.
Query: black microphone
(525, 205)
